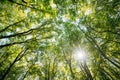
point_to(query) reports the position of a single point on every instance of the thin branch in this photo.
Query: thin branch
(107, 31)
(11, 25)
(17, 34)
(13, 43)
(30, 6)
(26, 32)
(10, 44)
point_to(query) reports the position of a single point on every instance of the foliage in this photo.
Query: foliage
(38, 39)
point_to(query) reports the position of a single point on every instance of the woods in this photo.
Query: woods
(59, 39)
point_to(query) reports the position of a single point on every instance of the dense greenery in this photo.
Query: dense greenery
(39, 38)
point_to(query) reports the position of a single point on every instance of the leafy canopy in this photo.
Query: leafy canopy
(39, 38)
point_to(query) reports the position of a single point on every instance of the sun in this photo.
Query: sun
(79, 55)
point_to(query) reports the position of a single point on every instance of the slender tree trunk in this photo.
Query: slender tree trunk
(9, 68)
(25, 75)
(53, 69)
(69, 64)
(86, 69)
(48, 71)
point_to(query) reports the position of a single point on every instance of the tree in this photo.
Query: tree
(39, 38)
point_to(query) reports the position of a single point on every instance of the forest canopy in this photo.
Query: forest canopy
(59, 39)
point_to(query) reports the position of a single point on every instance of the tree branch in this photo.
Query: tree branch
(26, 32)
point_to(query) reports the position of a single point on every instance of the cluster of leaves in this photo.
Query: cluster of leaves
(38, 38)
